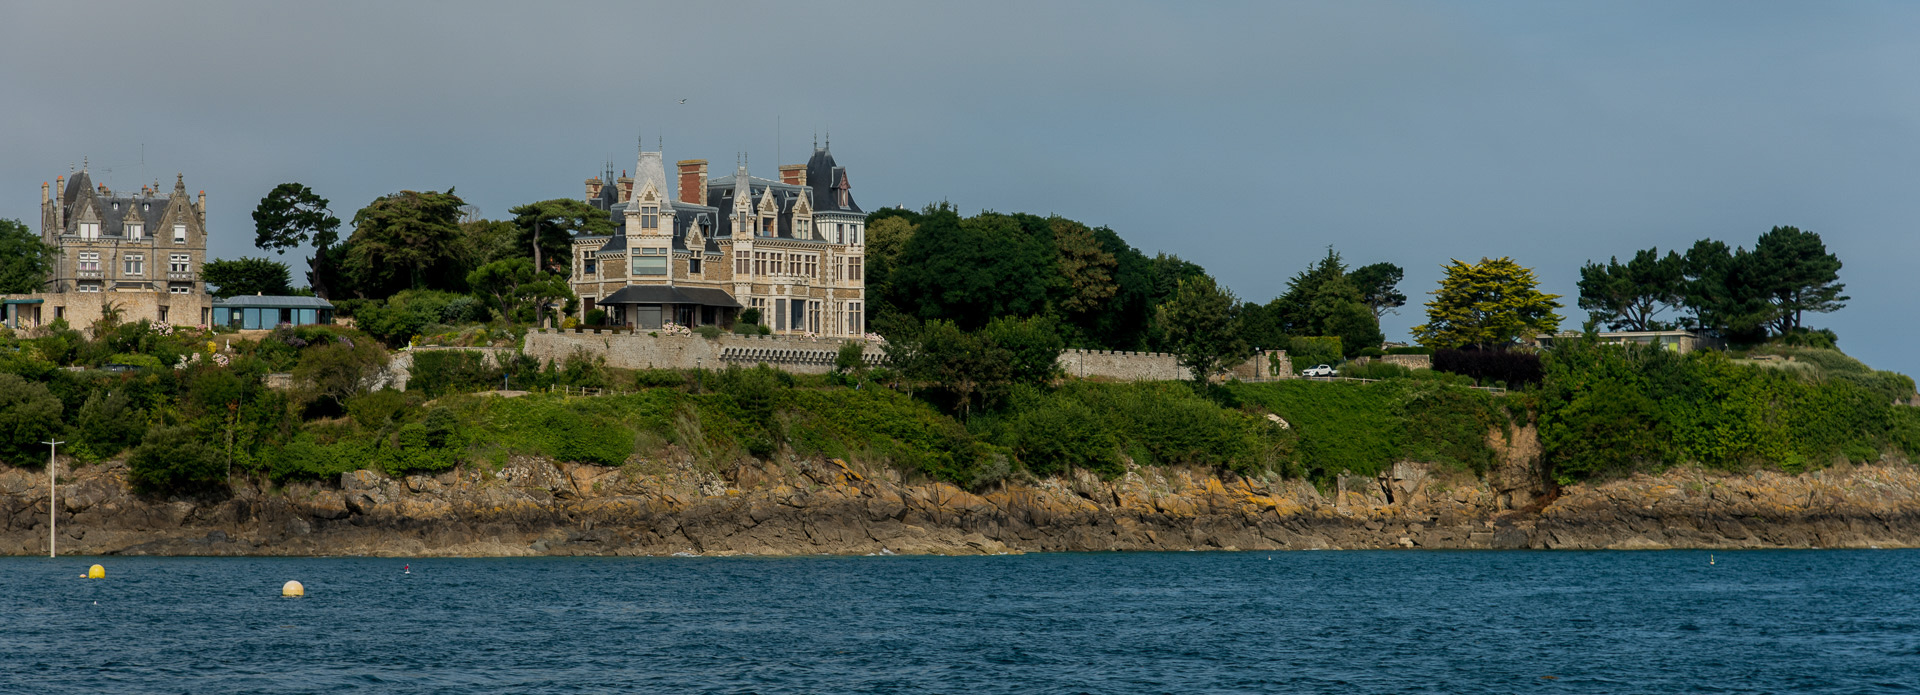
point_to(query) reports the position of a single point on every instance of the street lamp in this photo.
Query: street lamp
(53, 513)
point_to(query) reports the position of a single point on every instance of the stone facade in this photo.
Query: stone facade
(794, 249)
(140, 253)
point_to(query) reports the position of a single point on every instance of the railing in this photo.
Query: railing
(587, 391)
(1489, 389)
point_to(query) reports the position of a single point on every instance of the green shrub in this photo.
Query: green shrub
(750, 315)
(747, 328)
(305, 458)
(1308, 352)
(175, 459)
(29, 415)
(709, 332)
(1061, 436)
(659, 378)
(571, 437)
(375, 411)
(440, 372)
(596, 317)
(1374, 370)
(1372, 352)
(107, 424)
(431, 444)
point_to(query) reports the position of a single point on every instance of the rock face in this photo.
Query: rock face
(801, 506)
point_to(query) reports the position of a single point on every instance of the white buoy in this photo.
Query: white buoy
(293, 589)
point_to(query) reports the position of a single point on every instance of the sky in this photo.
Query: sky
(1246, 137)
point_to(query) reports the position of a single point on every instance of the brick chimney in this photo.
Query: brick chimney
(593, 187)
(693, 181)
(625, 183)
(795, 174)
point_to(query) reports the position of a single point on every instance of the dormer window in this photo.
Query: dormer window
(800, 226)
(134, 231)
(649, 217)
(179, 234)
(89, 230)
(766, 226)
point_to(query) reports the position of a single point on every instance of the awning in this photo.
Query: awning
(22, 301)
(662, 294)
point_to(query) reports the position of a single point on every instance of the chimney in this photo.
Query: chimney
(795, 174)
(104, 192)
(44, 195)
(626, 187)
(200, 206)
(593, 187)
(693, 181)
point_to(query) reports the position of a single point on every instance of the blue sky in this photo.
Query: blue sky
(1245, 137)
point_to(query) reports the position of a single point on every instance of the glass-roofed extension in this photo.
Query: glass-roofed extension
(252, 312)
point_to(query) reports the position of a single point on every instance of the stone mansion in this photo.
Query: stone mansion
(142, 253)
(711, 248)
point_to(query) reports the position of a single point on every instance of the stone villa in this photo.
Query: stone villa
(142, 253)
(703, 251)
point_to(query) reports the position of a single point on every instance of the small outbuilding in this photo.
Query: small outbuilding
(253, 312)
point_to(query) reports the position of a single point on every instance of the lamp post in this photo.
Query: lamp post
(53, 513)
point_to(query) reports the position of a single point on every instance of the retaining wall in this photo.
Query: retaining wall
(628, 350)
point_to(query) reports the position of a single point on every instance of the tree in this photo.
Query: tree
(511, 285)
(1198, 326)
(485, 241)
(1031, 348)
(342, 368)
(554, 223)
(1085, 271)
(1629, 296)
(1379, 288)
(969, 271)
(1800, 276)
(246, 276)
(1726, 292)
(1487, 305)
(25, 262)
(291, 215)
(405, 241)
(175, 459)
(29, 415)
(1324, 301)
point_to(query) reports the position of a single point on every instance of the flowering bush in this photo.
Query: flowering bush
(163, 328)
(676, 329)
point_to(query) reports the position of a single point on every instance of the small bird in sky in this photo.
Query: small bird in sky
(683, 101)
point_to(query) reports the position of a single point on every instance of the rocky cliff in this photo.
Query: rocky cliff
(803, 506)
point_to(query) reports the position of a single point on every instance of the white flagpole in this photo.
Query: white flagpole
(53, 513)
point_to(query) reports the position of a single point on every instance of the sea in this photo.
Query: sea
(1811, 621)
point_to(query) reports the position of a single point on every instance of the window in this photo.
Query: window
(163, 314)
(801, 227)
(854, 318)
(179, 288)
(766, 226)
(839, 233)
(813, 317)
(89, 287)
(858, 236)
(741, 264)
(134, 230)
(179, 234)
(759, 263)
(135, 264)
(813, 265)
(650, 262)
(588, 262)
(853, 268)
(89, 230)
(649, 217)
(89, 262)
(693, 266)
(178, 263)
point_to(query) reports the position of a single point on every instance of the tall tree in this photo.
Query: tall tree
(972, 270)
(1323, 300)
(1801, 276)
(1198, 325)
(290, 215)
(1629, 295)
(554, 223)
(1488, 305)
(405, 241)
(245, 276)
(25, 261)
(1085, 280)
(1726, 292)
(512, 285)
(1379, 286)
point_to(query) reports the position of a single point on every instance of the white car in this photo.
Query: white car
(1321, 370)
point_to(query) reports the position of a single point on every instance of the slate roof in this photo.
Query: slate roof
(829, 182)
(150, 211)
(254, 301)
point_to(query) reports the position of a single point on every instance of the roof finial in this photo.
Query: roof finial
(659, 143)
(816, 139)
(83, 163)
(829, 138)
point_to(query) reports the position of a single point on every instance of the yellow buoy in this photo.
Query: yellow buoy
(96, 572)
(293, 589)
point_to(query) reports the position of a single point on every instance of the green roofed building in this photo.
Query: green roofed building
(253, 312)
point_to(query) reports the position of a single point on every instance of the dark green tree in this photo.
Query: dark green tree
(291, 215)
(244, 276)
(1627, 296)
(25, 262)
(1379, 286)
(1324, 301)
(406, 240)
(1726, 292)
(1800, 276)
(175, 459)
(1198, 325)
(556, 221)
(970, 271)
(512, 285)
(29, 415)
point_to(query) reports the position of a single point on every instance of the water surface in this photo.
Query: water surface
(1311, 622)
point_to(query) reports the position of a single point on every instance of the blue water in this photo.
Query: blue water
(1313, 622)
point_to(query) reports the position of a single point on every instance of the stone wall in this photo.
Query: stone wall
(82, 309)
(642, 351)
(1410, 361)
